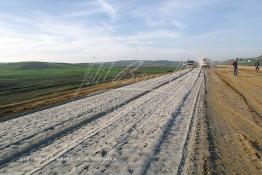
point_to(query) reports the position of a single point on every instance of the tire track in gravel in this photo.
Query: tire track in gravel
(70, 127)
(139, 147)
(170, 143)
(133, 129)
(195, 155)
(132, 121)
(59, 114)
(165, 83)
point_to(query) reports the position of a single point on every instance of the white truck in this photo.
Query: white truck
(204, 62)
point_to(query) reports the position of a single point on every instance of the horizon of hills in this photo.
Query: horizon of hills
(244, 61)
(121, 63)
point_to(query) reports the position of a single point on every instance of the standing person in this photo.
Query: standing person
(257, 66)
(235, 67)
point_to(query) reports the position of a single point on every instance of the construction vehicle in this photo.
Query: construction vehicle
(204, 62)
(190, 64)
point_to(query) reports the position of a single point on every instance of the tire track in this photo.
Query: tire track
(132, 129)
(155, 89)
(17, 153)
(136, 122)
(231, 131)
(58, 114)
(195, 158)
(133, 153)
(166, 141)
(252, 110)
(61, 114)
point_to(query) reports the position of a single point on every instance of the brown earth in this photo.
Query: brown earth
(234, 120)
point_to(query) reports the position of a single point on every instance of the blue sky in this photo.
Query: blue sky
(108, 30)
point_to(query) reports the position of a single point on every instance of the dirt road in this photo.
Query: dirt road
(234, 121)
(130, 130)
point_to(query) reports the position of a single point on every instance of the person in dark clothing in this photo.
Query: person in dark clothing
(257, 66)
(235, 67)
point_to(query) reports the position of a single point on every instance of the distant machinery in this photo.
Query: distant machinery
(191, 64)
(204, 62)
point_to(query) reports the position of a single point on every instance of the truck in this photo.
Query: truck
(204, 62)
(190, 64)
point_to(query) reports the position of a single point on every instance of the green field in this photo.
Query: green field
(29, 80)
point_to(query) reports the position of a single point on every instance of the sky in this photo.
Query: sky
(109, 30)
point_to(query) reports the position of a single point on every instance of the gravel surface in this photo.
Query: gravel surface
(141, 128)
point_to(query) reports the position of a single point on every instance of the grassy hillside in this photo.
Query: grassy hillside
(124, 63)
(142, 63)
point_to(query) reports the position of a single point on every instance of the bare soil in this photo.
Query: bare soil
(234, 121)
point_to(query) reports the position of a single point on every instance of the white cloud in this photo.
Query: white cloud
(168, 12)
(108, 8)
(87, 12)
(93, 7)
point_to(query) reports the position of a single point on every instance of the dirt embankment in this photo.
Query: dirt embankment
(234, 121)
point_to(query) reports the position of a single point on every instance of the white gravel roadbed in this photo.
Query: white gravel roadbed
(18, 134)
(137, 129)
